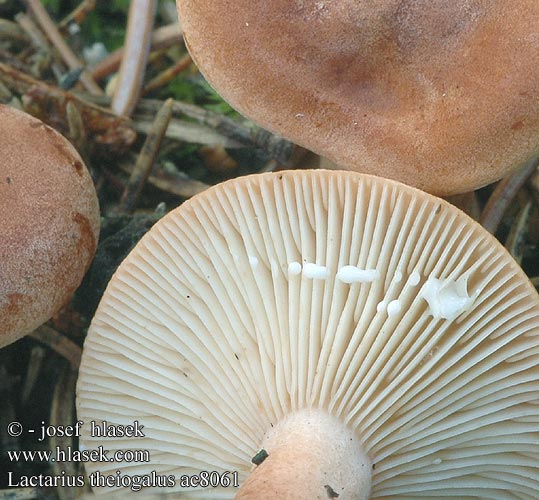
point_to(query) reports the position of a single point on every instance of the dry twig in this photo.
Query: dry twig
(59, 343)
(172, 182)
(136, 49)
(162, 38)
(49, 103)
(11, 32)
(244, 133)
(48, 26)
(38, 40)
(78, 15)
(167, 75)
(146, 159)
(517, 237)
(504, 193)
(33, 371)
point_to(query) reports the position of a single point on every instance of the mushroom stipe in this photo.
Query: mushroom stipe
(442, 394)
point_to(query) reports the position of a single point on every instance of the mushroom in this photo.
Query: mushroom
(441, 95)
(354, 337)
(49, 222)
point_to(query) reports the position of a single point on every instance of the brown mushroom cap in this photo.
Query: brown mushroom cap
(49, 222)
(437, 94)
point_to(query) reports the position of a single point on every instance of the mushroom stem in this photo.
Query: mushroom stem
(311, 454)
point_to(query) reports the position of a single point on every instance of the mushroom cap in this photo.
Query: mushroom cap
(440, 95)
(50, 222)
(383, 306)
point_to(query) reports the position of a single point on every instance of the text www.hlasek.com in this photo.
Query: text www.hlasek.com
(69, 455)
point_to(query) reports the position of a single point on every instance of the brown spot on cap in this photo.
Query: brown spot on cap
(79, 167)
(14, 302)
(87, 242)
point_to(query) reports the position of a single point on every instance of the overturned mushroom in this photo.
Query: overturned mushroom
(302, 313)
(49, 222)
(437, 94)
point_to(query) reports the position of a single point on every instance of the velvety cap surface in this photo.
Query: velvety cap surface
(386, 307)
(438, 94)
(49, 222)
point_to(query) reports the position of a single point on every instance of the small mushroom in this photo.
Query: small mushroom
(49, 222)
(441, 95)
(251, 318)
